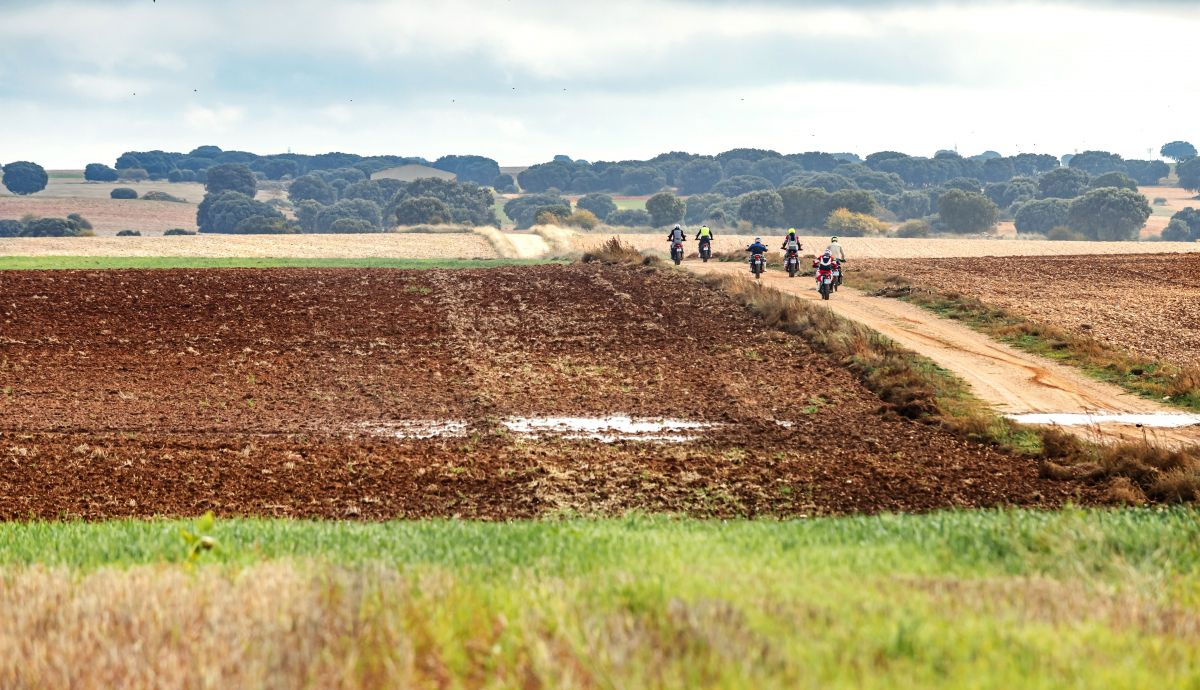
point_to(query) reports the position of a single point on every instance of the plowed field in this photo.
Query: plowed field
(272, 392)
(1144, 304)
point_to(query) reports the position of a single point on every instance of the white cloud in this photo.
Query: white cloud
(213, 121)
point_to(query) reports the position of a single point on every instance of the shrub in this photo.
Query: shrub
(11, 228)
(967, 212)
(1184, 226)
(123, 193)
(162, 196)
(360, 209)
(178, 231)
(352, 226)
(228, 211)
(913, 228)
(1114, 179)
(130, 233)
(665, 209)
(629, 218)
(231, 177)
(49, 227)
(583, 219)
(1063, 233)
(504, 184)
(762, 209)
(844, 222)
(1160, 201)
(79, 221)
(552, 215)
(1109, 213)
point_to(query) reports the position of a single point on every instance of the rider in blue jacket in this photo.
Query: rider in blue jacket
(758, 247)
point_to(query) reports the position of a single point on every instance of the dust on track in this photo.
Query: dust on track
(126, 393)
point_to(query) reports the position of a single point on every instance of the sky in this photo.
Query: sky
(523, 80)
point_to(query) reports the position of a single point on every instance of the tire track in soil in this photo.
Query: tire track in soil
(1012, 381)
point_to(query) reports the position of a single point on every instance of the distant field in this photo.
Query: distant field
(140, 262)
(989, 599)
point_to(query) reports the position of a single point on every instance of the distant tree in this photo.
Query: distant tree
(1114, 179)
(543, 176)
(761, 209)
(967, 212)
(524, 210)
(231, 178)
(1109, 214)
(99, 172)
(1097, 162)
(599, 204)
(884, 183)
(475, 169)
(422, 210)
(1016, 190)
(909, 205)
(128, 160)
(360, 209)
(643, 180)
(854, 200)
(629, 218)
(1178, 151)
(279, 168)
(504, 184)
(967, 184)
(1184, 226)
(741, 184)
(1147, 173)
(1189, 174)
(873, 160)
(698, 206)
(830, 182)
(23, 177)
(205, 152)
(469, 203)
(224, 212)
(775, 169)
(1063, 183)
(264, 225)
(665, 209)
(1042, 215)
(552, 215)
(311, 187)
(698, 176)
(367, 190)
(123, 193)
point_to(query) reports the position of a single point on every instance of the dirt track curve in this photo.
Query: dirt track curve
(1012, 381)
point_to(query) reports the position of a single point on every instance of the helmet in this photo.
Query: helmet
(791, 231)
(758, 239)
(825, 255)
(833, 239)
(677, 227)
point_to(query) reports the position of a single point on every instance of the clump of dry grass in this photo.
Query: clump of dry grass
(1135, 471)
(614, 251)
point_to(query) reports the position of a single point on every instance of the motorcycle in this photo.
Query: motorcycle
(837, 276)
(705, 250)
(825, 282)
(791, 263)
(758, 264)
(677, 252)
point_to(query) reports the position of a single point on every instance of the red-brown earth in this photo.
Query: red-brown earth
(171, 392)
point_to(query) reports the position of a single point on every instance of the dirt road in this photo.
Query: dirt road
(1014, 382)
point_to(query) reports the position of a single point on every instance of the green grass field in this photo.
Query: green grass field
(993, 599)
(129, 262)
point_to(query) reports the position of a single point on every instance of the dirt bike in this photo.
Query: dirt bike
(837, 276)
(825, 282)
(791, 262)
(677, 252)
(757, 265)
(705, 249)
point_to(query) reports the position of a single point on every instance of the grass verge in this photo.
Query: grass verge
(1177, 386)
(991, 599)
(139, 262)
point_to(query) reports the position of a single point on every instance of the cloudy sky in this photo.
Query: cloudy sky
(522, 80)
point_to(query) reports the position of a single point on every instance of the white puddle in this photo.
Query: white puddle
(1167, 420)
(604, 429)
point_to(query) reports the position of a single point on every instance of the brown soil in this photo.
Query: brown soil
(1144, 304)
(127, 393)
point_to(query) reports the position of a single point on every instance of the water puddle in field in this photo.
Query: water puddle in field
(1170, 420)
(603, 429)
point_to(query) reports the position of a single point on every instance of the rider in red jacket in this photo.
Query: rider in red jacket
(825, 264)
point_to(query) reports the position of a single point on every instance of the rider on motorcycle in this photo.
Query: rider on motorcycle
(791, 243)
(835, 250)
(825, 264)
(758, 247)
(704, 234)
(676, 234)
